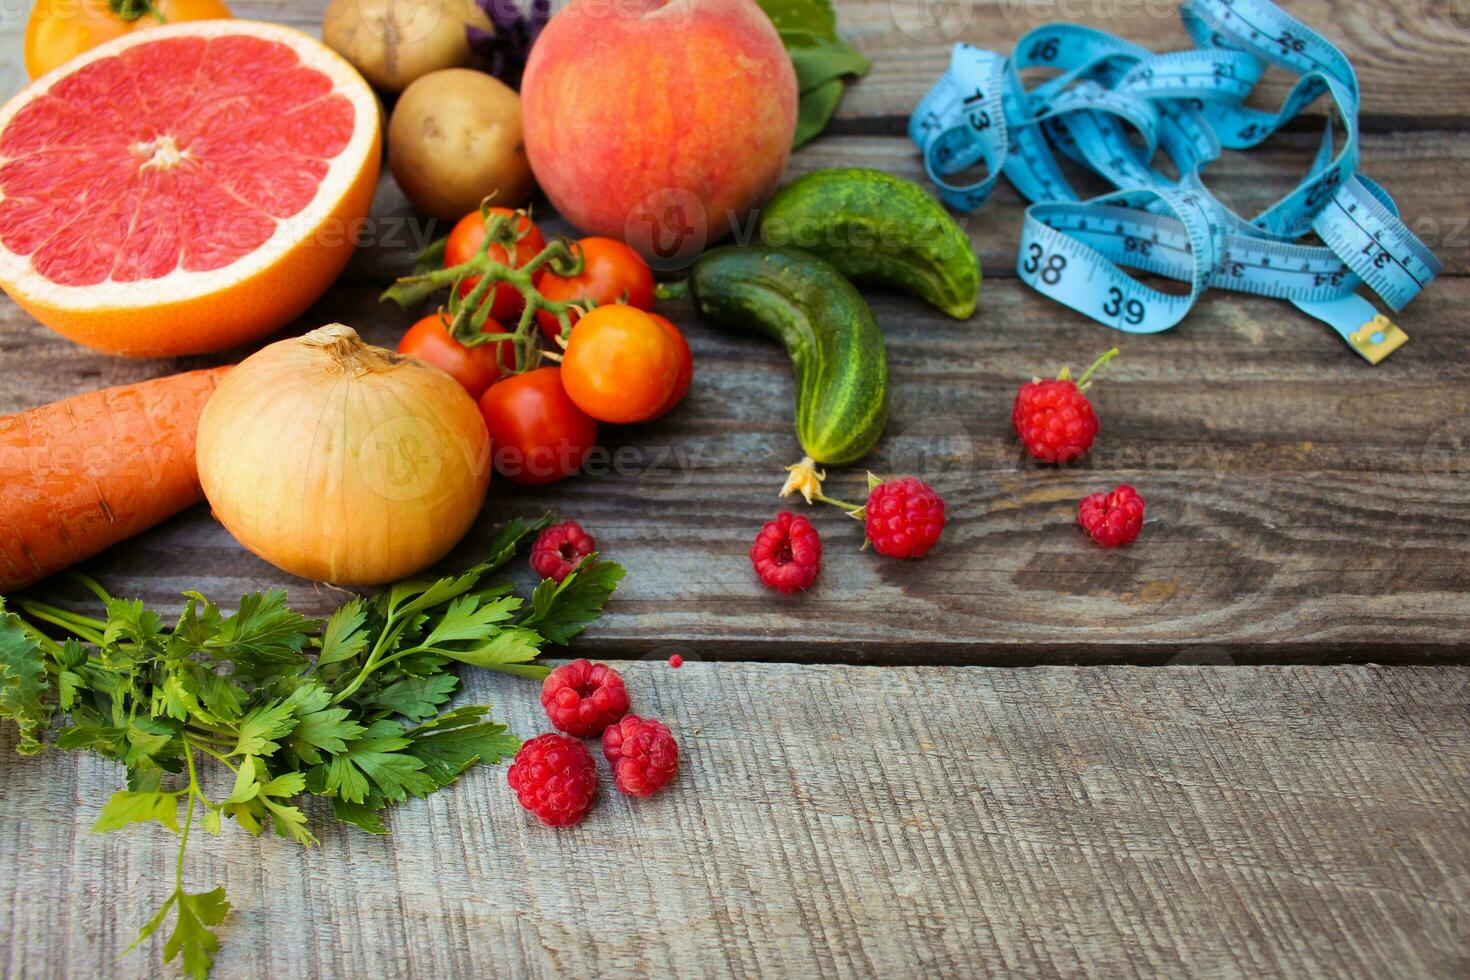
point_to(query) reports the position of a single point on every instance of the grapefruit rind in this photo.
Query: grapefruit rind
(187, 312)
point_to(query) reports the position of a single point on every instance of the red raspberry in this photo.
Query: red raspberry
(555, 778)
(1054, 419)
(1112, 518)
(582, 698)
(904, 518)
(559, 548)
(787, 554)
(643, 754)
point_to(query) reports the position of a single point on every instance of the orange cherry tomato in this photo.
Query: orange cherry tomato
(620, 366)
(686, 366)
(59, 30)
(537, 435)
(612, 273)
(475, 368)
(464, 241)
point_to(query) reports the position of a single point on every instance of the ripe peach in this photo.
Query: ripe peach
(659, 122)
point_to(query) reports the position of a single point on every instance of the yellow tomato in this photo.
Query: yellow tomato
(59, 30)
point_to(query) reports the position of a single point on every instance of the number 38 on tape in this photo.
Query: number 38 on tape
(1111, 107)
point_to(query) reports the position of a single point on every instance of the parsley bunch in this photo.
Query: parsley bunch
(286, 707)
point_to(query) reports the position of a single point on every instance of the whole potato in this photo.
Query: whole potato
(395, 42)
(455, 139)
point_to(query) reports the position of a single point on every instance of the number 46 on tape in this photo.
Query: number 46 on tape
(1110, 107)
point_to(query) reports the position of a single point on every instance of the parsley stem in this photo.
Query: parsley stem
(92, 586)
(194, 791)
(60, 617)
(228, 764)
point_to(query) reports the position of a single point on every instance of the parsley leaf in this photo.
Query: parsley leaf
(561, 611)
(353, 710)
(416, 698)
(127, 807)
(264, 724)
(454, 742)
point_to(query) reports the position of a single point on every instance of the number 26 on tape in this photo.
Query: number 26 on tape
(1050, 266)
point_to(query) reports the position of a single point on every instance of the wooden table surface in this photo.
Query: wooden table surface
(868, 789)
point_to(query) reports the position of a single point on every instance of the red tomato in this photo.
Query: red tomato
(537, 434)
(612, 273)
(464, 241)
(620, 366)
(686, 366)
(476, 368)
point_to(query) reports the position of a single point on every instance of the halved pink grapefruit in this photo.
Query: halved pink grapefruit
(184, 189)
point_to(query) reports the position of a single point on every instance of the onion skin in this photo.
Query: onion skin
(341, 462)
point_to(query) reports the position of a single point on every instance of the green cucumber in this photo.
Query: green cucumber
(877, 229)
(827, 328)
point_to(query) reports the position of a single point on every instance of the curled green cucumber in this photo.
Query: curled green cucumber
(877, 229)
(827, 328)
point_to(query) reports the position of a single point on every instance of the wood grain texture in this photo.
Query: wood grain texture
(1408, 54)
(1057, 822)
(1302, 504)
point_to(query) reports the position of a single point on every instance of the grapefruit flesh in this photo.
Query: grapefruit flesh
(184, 189)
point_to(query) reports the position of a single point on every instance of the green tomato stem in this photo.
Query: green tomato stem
(469, 313)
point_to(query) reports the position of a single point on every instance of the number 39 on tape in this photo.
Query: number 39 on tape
(1111, 107)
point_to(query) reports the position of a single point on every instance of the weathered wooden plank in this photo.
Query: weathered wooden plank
(1408, 54)
(1302, 503)
(1201, 821)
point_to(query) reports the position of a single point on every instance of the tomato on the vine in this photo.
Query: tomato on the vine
(620, 366)
(475, 368)
(686, 366)
(537, 434)
(59, 30)
(612, 273)
(464, 241)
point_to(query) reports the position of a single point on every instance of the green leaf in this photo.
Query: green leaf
(508, 540)
(129, 622)
(377, 756)
(23, 683)
(69, 681)
(127, 807)
(811, 16)
(289, 821)
(103, 739)
(345, 637)
(148, 740)
(512, 645)
(823, 62)
(819, 60)
(454, 742)
(416, 698)
(247, 785)
(467, 619)
(560, 612)
(262, 726)
(264, 638)
(192, 936)
(359, 815)
(815, 110)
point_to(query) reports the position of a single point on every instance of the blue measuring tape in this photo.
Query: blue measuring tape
(1112, 108)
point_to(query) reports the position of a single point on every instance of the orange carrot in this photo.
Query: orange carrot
(80, 475)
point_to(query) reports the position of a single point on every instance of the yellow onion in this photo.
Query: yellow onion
(341, 462)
